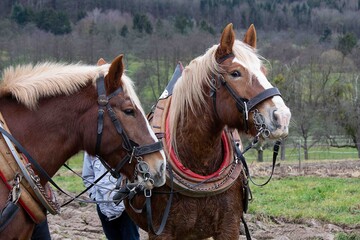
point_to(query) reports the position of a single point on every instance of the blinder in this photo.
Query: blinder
(133, 149)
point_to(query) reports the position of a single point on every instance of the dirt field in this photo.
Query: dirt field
(81, 222)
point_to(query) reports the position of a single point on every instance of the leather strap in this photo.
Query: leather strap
(167, 208)
(7, 214)
(267, 93)
(247, 232)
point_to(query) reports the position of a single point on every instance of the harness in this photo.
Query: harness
(32, 196)
(184, 180)
(188, 185)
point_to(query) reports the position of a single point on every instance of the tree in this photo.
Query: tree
(326, 36)
(346, 101)
(182, 24)
(206, 27)
(21, 15)
(346, 43)
(124, 31)
(141, 23)
(52, 21)
(302, 83)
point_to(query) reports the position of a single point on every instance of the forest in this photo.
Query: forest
(310, 47)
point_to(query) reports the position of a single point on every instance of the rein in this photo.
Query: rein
(132, 148)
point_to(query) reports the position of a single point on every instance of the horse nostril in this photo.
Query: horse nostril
(162, 168)
(275, 115)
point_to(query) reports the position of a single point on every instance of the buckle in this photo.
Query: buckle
(102, 100)
(147, 192)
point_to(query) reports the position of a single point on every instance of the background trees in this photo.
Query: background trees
(311, 46)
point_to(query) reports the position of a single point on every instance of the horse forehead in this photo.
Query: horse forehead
(256, 71)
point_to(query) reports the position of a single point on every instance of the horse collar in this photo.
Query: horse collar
(184, 180)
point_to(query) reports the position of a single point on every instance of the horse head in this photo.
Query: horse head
(120, 111)
(241, 83)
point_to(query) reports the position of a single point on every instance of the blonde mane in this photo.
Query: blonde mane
(188, 94)
(29, 83)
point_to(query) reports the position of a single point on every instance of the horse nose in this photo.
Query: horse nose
(162, 168)
(281, 118)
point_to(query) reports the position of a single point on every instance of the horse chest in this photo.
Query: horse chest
(199, 218)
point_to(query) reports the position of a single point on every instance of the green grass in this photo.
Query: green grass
(344, 236)
(68, 180)
(334, 200)
(315, 153)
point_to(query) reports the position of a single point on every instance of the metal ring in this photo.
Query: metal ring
(142, 167)
(266, 133)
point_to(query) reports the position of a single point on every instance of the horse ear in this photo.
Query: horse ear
(226, 42)
(250, 36)
(113, 78)
(101, 62)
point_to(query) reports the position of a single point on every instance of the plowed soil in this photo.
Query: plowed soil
(80, 221)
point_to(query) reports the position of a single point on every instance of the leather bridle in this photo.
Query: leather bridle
(132, 148)
(243, 105)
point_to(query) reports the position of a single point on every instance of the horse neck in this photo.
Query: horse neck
(198, 142)
(52, 133)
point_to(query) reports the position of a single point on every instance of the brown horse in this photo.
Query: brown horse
(226, 88)
(53, 110)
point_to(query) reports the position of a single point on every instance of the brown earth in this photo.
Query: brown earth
(80, 221)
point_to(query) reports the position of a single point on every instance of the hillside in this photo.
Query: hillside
(308, 44)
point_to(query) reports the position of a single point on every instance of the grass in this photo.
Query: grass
(344, 236)
(334, 200)
(68, 180)
(315, 153)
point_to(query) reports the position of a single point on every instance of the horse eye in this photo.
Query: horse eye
(235, 74)
(129, 111)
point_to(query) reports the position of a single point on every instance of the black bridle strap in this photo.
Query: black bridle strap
(167, 208)
(247, 232)
(146, 149)
(240, 102)
(119, 129)
(102, 101)
(267, 93)
(245, 105)
(222, 59)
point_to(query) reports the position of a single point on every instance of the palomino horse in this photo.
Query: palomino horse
(226, 88)
(53, 111)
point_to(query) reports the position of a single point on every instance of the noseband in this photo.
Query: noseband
(132, 148)
(243, 105)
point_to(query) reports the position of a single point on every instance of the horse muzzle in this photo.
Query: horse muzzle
(279, 122)
(151, 177)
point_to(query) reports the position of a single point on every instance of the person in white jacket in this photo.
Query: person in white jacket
(115, 221)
